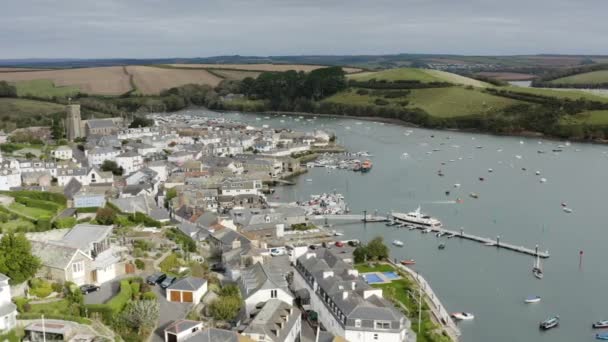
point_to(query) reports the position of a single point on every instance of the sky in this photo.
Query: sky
(202, 28)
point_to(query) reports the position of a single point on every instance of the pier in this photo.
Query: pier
(497, 243)
(348, 217)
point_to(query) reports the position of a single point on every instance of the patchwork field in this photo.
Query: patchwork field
(422, 75)
(593, 77)
(44, 88)
(151, 80)
(261, 67)
(102, 81)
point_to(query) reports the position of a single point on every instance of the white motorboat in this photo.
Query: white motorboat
(463, 316)
(397, 243)
(418, 218)
(532, 299)
(568, 210)
(543, 180)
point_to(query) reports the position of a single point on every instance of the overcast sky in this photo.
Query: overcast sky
(193, 28)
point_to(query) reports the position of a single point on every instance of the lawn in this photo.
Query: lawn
(593, 77)
(594, 117)
(34, 213)
(44, 88)
(60, 307)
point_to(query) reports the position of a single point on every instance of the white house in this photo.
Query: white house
(84, 176)
(234, 187)
(130, 161)
(260, 283)
(9, 178)
(62, 152)
(276, 321)
(8, 310)
(346, 305)
(98, 155)
(187, 290)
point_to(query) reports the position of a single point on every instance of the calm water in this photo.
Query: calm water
(512, 203)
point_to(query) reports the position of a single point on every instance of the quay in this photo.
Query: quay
(490, 242)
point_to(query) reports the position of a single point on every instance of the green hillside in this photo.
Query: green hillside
(414, 74)
(593, 117)
(43, 88)
(17, 113)
(593, 77)
(560, 94)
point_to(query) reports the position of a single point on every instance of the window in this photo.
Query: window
(375, 336)
(383, 325)
(273, 293)
(357, 323)
(78, 267)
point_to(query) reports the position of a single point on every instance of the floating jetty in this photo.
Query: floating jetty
(488, 242)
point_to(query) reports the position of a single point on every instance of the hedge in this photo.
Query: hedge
(77, 319)
(104, 310)
(145, 219)
(87, 210)
(65, 222)
(38, 195)
(118, 302)
(35, 203)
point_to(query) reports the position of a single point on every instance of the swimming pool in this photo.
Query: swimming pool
(391, 275)
(372, 278)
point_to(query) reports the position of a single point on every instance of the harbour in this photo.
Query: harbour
(513, 203)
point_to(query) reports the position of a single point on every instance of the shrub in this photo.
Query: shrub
(135, 290)
(105, 216)
(381, 102)
(43, 224)
(57, 287)
(139, 264)
(148, 296)
(20, 302)
(170, 263)
(102, 310)
(225, 308)
(118, 302)
(362, 91)
(40, 288)
(39, 195)
(66, 222)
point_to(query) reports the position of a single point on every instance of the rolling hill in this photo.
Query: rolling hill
(414, 74)
(593, 77)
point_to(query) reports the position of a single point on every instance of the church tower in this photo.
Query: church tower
(73, 122)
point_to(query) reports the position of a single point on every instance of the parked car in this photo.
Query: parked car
(167, 282)
(277, 251)
(88, 288)
(219, 268)
(156, 278)
(339, 244)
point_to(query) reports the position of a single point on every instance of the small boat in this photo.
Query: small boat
(451, 236)
(439, 234)
(338, 234)
(532, 299)
(543, 180)
(447, 193)
(308, 180)
(490, 170)
(481, 179)
(474, 195)
(567, 210)
(397, 243)
(602, 336)
(517, 156)
(540, 151)
(564, 204)
(408, 262)
(463, 316)
(600, 324)
(549, 323)
(557, 150)
(537, 173)
(366, 166)
(457, 185)
(441, 246)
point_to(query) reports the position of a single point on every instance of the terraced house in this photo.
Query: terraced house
(347, 306)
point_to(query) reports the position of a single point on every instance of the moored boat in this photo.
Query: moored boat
(408, 262)
(441, 246)
(397, 243)
(463, 316)
(549, 323)
(602, 336)
(532, 299)
(416, 217)
(366, 166)
(600, 324)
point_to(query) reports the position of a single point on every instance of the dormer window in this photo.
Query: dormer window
(357, 323)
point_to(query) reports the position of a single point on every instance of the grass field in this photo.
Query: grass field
(559, 93)
(593, 77)
(31, 212)
(594, 117)
(261, 67)
(19, 107)
(151, 80)
(44, 88)
(439, 102)
(414, 74)
(102, 80)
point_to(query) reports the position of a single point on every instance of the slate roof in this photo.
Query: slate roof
(181, 326)
(53, 254)
(100, 123)
(188, 284)
(71, 188)
(82, 236)
(143, 204)
(214, 335)
(261, 277)
(275, 320)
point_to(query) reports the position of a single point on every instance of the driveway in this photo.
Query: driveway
(107, 290)
(169, 312)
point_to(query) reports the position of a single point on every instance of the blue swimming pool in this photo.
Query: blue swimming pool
(391, 275)
(373, 278)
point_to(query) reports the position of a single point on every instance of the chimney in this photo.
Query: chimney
(344, 295)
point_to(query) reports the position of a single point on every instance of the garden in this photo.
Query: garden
(33, 211)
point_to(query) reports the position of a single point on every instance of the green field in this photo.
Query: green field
(414, 74)
(593, 77)
(566, 94)
(44, 88)
(16, 113)
(594, 117)
(34, 213)
(439, 102)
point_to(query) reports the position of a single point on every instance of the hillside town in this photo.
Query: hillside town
(161, 228)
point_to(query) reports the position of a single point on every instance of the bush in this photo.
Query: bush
(135, 290)
(40, 288)
(362, 91)
(43, 225)
(21, 302)
(170, 263)
(148, 296)
(66, 222)
(105, 216)
(139, 264)
(57, 287)
(87, 210)
(103, 310)
(118, 302)
(381, 102)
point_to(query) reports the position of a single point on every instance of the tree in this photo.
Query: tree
(225, 308)
(141, 315)
(360, 254)
(230, 290)
(105, 216)
(109, 165)
(16, 258)
(376, 249)
(140, 121)
(7, 90)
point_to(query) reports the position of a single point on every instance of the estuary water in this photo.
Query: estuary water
(513, 203)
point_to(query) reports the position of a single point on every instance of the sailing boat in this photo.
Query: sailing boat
(537, 269)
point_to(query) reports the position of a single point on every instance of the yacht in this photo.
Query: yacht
(463, 316)
(532, 299)
(600, 324)
(397, 243)
(550, 323)
(417, 218)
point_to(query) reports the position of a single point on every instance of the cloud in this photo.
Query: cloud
(188, 28)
